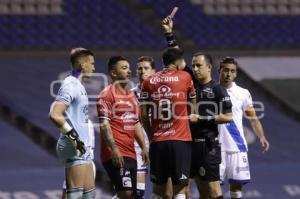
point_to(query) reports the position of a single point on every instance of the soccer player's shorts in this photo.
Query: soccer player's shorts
(123, 178)
(206, 158)
(67, 153)
(170, 159)
(140, 167)
(235, 167)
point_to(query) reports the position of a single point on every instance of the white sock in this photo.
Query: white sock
(180, 196)
(236, 194)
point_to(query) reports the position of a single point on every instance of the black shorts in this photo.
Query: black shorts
(206, 160)
(170, 159)
(123, 178)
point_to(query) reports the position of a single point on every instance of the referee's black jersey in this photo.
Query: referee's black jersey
(212, 99)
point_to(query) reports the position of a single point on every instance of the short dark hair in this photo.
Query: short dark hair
(147, 59)
(77, 53)
(113, 60)
(228, 60)
(170, 55)
(208, 58)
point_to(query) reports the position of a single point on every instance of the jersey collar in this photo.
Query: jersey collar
(233, 86)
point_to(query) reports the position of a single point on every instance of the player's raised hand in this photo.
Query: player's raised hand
(116, 157)
(264, 143)
(167, 24)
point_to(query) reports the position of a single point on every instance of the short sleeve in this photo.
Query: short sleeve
(247, 103)
(223, 99)
(66, 94)
(104, 107)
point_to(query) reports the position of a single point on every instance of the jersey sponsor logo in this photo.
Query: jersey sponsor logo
(129, 117)
(164, 92)
(165, 125)
(85, 111)
(129, 127)
(156, 79)
(125, 102)
(226, 99)
(167, 133)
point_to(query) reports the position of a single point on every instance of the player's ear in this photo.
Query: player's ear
(209, 67)
(81, 66)
(113, 73)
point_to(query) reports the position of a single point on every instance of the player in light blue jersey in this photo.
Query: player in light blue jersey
(235, 164)
(69, 112)
(90, 147)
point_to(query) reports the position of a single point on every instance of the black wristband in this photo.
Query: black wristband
(171, 39)
(73, 135)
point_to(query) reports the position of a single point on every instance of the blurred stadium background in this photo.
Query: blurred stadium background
(35, 38)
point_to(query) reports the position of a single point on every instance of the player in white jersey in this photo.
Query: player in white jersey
(145, 68)
(69, 112)
(90, 147)
(235, 165)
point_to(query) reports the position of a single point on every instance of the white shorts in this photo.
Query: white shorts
(139, 159)
(235, 167)
(67, 153)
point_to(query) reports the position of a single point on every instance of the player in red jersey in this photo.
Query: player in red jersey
(118, 112)
(166, 95)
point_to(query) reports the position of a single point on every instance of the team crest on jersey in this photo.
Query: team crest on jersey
(208, 92)
(164, 89)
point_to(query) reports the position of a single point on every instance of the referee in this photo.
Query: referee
(214, 107)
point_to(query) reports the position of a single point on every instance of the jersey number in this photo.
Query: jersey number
(165, 109)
